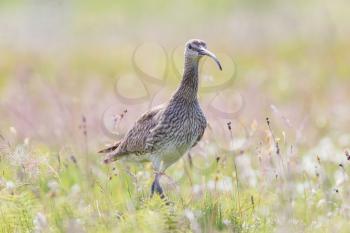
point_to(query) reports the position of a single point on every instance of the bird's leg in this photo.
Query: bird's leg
(156, 186)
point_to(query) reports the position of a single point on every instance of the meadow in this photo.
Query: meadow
(75, 75)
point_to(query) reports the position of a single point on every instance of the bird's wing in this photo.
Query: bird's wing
(163, 128)
(134, 141)
(199, 137)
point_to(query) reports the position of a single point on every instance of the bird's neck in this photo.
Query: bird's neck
(188, 88)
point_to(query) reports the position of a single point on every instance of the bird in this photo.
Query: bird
(165, 133)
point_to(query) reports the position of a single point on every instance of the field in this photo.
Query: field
(75, 75)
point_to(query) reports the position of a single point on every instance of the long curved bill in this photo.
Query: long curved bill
(206, 52)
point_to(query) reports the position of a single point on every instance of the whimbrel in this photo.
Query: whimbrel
(163, 135)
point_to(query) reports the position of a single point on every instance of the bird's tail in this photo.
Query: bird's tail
(110, 148)
(110, 152)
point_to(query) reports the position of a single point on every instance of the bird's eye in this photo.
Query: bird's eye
(190, 46)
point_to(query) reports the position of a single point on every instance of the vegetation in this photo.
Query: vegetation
(275, 157)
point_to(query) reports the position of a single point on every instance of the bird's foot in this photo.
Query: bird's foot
(156, 188)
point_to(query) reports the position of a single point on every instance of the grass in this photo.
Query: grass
(45, 191)
(70, 84)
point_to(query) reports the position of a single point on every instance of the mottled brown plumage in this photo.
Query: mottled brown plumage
(135, 140)
(165, 133)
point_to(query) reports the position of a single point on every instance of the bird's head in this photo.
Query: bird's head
(195, 49)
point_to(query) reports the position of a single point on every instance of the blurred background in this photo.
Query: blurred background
(75, 75)
(62, 60)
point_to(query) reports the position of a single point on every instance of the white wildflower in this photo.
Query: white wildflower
(225, 184)
(196, 188)
(75, 189)
(26, 141)
(226, 222)
(53, 186)
(237, 143)
(321, 203)
(10, 186)
(340, 177)
(192, 218)
(13, 130)
(189, 214)
(211, 185)
(40, 223)
(246, 172)
(301, 187)
(326, 151)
